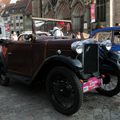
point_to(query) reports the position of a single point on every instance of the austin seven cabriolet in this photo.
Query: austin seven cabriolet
(66, 66)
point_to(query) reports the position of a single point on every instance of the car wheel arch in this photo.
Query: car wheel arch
(57, 61)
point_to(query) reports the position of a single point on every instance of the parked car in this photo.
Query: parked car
(67, 67)
(109, 67)
(109, 61)
(108, 33)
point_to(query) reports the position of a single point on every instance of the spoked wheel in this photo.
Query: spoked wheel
(111, 85)
(64, 90)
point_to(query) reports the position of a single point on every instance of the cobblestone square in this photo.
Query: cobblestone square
(19, 102)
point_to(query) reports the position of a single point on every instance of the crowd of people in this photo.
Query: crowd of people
(57, 31)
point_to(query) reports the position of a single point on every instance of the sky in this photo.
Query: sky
(13, 1)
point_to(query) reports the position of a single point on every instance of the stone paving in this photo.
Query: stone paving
(19, 102)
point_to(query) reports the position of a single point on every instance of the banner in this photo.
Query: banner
(92, 11)
(7, 27)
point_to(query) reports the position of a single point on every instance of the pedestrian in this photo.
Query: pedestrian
(78, 35)
(85, 35)
(14, 36)
(117, 24)
(57, 30)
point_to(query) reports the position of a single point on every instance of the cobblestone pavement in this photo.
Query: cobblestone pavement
(19, 102)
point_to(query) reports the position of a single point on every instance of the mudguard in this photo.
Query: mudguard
(56, 60)
(72, 63)
(111, 64)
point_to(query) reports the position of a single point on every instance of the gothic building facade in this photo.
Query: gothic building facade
(79, 11)
(62, 9)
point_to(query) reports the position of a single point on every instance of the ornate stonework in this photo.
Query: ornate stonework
(63, 9)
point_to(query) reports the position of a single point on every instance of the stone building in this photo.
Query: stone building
(116, 11)
(61, 9)
(107, 12)
(18, 16)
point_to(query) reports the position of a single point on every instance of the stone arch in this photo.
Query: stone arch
(63, 11)
(78, 16)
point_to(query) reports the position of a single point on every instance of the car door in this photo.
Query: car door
(19, 57)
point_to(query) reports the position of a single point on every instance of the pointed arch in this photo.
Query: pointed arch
(77, 16)
(63, 11)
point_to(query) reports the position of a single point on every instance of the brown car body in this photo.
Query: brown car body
(53, 61)
(26, 58)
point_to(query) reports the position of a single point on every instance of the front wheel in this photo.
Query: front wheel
(111, 84)
(64, 90)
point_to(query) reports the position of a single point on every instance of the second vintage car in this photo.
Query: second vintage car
(108, 33)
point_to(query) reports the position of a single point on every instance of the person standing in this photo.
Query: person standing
(14, 36)
(78, 35)
(57, 31)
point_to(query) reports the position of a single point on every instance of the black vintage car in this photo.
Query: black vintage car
(66, 66)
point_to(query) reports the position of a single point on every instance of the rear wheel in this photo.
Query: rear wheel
(4, 80)
(111, 84)
(64, 90)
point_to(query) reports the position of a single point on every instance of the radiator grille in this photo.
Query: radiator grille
(91, 58)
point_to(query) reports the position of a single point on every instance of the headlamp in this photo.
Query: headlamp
(108, 46)
(77, 47)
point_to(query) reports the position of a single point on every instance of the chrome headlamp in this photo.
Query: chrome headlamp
(107, 44)
(77, 47)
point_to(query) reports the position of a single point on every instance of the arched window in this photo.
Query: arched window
(53, 2)
(101, 10)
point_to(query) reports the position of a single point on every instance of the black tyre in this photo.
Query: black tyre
(64, 90)
(4, 80)
(111, 84)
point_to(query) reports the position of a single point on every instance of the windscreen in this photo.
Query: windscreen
(101, 36)
(48, 27)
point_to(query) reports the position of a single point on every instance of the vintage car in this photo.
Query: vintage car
(67, 67)
(109, 62)
(111, 33)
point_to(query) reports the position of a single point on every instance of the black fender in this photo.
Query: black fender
(111, 65)
(59, 60)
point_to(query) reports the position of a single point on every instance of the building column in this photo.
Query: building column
(111, 12)
(37, 8)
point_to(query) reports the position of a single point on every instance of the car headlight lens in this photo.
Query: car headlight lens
(108, 46)
(79, 49)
